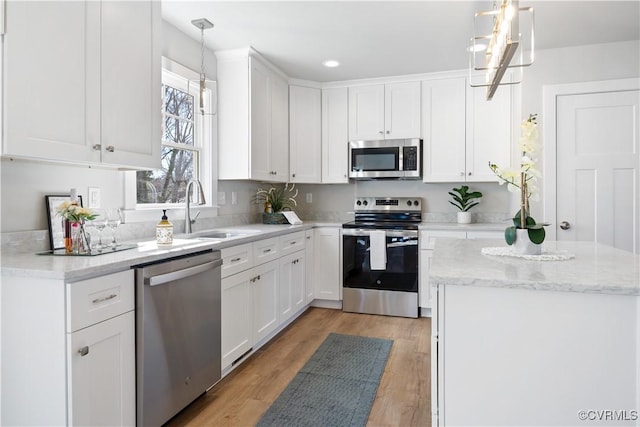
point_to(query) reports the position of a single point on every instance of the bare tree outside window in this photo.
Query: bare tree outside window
(179, 153)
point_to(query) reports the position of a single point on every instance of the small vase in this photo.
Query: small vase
(464, 217)
(80, 241)
(524, 246)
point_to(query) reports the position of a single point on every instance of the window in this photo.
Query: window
(188, 147)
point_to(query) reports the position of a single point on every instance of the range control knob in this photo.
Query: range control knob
(365, 203)
(416, 203)
(358, 203)
(408, 202)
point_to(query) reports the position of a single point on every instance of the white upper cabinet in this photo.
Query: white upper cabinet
(82, 82)
(488, 132)
(305, 134)
(443, 129)
(335, 136)
(462, 131)
(253, 118)
(388, 111)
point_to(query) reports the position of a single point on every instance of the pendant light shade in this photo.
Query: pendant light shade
(204, 87)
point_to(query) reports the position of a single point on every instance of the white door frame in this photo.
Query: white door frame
(549, 114)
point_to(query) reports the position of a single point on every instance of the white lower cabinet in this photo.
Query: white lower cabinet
(70, 358)
(263, 289)
(102, 373)
(427, 244)
(308, 266)
(327, 263)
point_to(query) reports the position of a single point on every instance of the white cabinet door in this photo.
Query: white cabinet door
(425, 286)
(402, 110)
(102, 373)
(308, 266)
(366, 112)
(260, 135)
(264, 291)
(335, 136)
(443, 129)
(488, 132)
(236, 316)
(327, 268)
(291, 285)
(305, 135)
(130, 83)
(51, 78)
(279, 143)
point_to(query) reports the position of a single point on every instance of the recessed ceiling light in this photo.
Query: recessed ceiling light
(330, 63)
(478, 47)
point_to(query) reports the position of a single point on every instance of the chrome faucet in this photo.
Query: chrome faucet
(198, 199)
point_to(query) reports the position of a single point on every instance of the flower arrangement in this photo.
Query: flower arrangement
(74, 213)
(277, 199)
(524, 180)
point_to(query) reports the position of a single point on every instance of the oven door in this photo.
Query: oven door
(401, 272)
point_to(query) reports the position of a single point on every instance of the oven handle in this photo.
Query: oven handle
(390, 233)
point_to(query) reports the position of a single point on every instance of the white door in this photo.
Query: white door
(598, 161)
(236, 316)
(402, 110)
(366, 112)
(335, 134)
(260, 122)
(305, 134)
(265, 299)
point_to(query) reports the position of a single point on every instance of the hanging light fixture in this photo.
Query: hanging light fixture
(506, 45)
(204, 86)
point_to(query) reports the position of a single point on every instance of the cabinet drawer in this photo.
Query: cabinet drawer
(292, 242)
(428, 238)
(236, 259)
(265, 250)
(94, 300)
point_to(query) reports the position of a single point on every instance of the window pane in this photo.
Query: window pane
(167, 185)
(178, 103)
(178, 131)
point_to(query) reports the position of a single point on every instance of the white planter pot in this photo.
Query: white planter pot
(464, 217)
(523, 245)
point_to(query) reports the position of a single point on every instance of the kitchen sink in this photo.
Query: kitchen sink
(220, 235)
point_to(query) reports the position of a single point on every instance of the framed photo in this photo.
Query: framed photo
(56, 225)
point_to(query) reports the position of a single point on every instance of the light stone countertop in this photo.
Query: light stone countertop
(74, 268)
(596, 268)
(452, 226)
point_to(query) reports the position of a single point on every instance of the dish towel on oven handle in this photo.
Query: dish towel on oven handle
(378, 249)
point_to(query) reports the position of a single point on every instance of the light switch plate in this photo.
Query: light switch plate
(234, 197)
(94, 197)
(309, 197)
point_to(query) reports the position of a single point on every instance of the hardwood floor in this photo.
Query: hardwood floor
(404, 394)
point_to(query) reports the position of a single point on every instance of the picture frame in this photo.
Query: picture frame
(55, 223)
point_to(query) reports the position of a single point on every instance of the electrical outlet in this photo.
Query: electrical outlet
(234, 197)
(309, 198)
(222, 198)
(94, 197)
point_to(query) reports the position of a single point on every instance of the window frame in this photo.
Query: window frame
(205, 142)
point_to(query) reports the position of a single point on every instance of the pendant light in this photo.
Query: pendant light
(501, 29)
(205, 88)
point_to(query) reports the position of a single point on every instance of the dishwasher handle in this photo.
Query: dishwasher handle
(181, 274)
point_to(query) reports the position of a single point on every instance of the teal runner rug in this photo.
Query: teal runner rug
(336, 387)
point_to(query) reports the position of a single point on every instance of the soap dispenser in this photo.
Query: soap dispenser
(164, 230)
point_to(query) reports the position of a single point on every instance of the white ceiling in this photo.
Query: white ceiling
(385, 38)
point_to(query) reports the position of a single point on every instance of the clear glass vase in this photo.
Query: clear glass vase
(80, 241)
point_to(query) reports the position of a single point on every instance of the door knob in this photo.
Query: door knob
(565, 225)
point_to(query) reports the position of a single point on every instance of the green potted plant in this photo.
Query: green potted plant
(274, 201)
(464, 201)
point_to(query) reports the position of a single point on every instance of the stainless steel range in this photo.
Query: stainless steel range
(380, 256)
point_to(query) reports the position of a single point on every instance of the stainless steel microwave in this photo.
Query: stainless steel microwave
(389, 158)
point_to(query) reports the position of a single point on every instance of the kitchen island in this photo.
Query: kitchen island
(524, 342)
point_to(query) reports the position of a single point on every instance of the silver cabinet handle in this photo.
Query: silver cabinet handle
(565, 225)
(266, 251)
(97, 300)
(293, 243)
(293, 175)
(236, 259)
(111, 148)
(308, 237)
(97, 147)
(83, 351)
(469, 173)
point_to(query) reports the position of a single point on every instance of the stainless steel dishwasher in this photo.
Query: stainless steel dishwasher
(178, 349)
